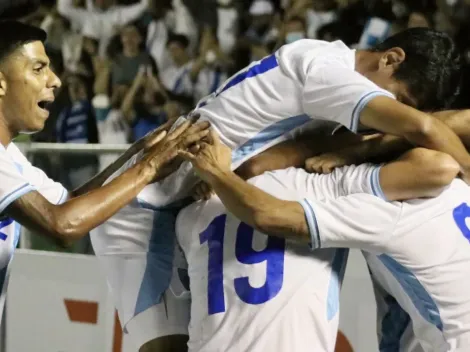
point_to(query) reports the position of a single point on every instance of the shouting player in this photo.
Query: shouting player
(256, 109)
(27, 196)
(431, 284)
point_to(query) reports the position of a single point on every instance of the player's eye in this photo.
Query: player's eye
(38, 69)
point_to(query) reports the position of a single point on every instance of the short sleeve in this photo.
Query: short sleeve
(337, 93)
(53, 191)
(13, 184)
(356, 221)
(341, 182)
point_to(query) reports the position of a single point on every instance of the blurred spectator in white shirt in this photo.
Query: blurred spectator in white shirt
(103, 19)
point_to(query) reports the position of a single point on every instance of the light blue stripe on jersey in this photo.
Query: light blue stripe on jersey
(312, 224)
(267, 135)
(394, 324)
(14, 195)
(361, 104)
(375, 183)
(337, 274)
(421, 299)
(17, 227)
(159, 266)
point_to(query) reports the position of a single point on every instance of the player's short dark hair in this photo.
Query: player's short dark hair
(432, 67)
(178, 38)
(16, 34)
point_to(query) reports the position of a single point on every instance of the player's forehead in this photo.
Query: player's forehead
(31, 53)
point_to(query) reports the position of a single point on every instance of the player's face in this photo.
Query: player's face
(26, 87)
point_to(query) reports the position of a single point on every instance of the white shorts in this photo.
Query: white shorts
(146, 271)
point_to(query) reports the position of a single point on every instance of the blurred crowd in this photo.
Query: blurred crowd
(128, 66)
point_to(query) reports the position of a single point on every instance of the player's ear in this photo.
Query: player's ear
(391, 59)
(3, 85)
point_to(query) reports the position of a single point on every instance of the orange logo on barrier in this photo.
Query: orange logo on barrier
(342, 343)
(87, 312)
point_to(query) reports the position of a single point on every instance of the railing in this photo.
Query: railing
(29, 149)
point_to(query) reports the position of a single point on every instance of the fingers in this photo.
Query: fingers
(185, 155)
(213, 137)
(193, 138)
(179, 130)
(310, 164)
(154, 139)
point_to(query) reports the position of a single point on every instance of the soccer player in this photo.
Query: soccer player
(417, 250)
(301, 84)
(27, 196)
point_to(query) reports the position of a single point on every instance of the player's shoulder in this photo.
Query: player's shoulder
(13, 153)
(302, 53)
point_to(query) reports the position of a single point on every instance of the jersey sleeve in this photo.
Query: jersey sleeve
(337, 93)
(341, 182)
(53, 191)
(13, 184)
(356, 221)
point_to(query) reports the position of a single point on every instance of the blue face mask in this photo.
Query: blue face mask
(294, 36)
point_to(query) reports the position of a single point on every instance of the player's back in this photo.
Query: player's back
(265, 100)
(427, 268)
(251, 292)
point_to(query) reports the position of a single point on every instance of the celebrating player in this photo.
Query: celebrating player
(27, 196)
(431, 285)
(256, 109)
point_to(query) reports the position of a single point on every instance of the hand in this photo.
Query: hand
(211, 158)
(326, 163)
(202, 191)
(162, 157)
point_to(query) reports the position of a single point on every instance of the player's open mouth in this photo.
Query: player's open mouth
(44, 104)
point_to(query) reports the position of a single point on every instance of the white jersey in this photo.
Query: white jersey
(418, 252)
(257, 107)
(255, 293)
(18, 177)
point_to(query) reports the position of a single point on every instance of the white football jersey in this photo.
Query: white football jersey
(251, 292)
(18, 177)
(418, 252)
(257, 107)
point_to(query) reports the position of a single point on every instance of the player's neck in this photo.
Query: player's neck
(6, 136)
(365, 61)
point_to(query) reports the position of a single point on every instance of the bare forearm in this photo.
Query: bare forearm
(293, 153)
(259, 209)
(98, 180)
(78, 216)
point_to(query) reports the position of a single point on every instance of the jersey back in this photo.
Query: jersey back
(427, 268)
(251, 292)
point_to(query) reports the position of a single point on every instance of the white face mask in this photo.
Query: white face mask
(294, 36)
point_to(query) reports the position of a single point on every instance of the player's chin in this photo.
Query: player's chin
(34, 126)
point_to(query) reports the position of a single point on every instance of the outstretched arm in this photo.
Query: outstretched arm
(76, 217)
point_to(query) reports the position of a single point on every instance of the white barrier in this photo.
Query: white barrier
(60, 302)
